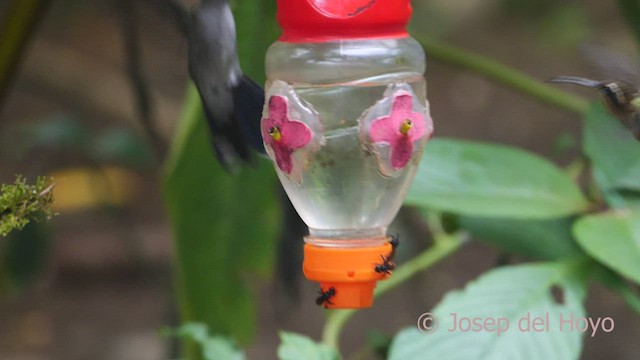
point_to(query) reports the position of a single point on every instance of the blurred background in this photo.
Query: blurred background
(96, 282)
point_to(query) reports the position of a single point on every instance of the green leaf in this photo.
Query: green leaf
(256, 29)
(195, 331)
(612, 149)
(477, 179)
(513, 295)
(540, 239)
(224, 228)
(613, 239)
(616, 198)
(212, 347)
(296, 347)
(219, 347)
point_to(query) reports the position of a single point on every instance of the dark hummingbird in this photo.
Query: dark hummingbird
(232, 102)
(233, 105)
(622, 99)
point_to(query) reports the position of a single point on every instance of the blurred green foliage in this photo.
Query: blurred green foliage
(530, 9)
(491, 180)
(537, 239)
(24, 241)
(612, 238)
(612, 149)
(224, 228)
(64, 136)
(630, 9)
(23, 257)
(211, 347)
(123, 146)
(296, 347)
(559, 23)
(56, 133)
(224, 225)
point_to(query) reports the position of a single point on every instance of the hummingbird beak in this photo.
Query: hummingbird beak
(575, 80)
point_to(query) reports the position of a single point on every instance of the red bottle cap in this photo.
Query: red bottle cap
(330, 20)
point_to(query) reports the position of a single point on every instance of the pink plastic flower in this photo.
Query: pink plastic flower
(283, 134)
(400, 129)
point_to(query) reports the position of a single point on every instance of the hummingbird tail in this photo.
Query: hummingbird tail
(248, 100)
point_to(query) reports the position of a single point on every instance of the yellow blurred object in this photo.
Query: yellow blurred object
(82, 188)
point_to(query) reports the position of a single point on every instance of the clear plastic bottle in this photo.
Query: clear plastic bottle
(343, 68)
(342, 79)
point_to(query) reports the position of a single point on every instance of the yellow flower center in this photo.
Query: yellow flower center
(406, 126)
(275, 133)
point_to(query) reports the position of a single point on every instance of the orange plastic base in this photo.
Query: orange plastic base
(349, 271)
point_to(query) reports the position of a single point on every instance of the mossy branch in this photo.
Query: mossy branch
(21, 203)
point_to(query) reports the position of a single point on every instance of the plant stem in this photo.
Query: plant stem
(191, 109)
(444, 246)
(132, 49)
(631, 297)
(503, 74)
(630, 9)
(616, 284)
(16, 28)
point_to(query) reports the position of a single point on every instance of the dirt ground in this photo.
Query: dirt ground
(103, 298)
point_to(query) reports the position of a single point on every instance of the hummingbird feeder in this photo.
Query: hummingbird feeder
(345, 122)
